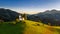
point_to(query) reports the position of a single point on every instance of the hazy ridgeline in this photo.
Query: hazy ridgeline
(49, 16)
(8, 15)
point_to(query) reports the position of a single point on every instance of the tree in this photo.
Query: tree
(24, 16)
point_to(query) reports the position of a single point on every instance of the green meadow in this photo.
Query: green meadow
(28, 27)
(10, 28)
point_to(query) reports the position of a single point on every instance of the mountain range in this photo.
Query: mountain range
(49, 16)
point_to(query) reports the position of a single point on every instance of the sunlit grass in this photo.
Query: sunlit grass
(33, 28)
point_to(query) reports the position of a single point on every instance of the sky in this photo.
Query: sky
(30, 6)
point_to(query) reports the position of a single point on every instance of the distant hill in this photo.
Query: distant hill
(8, 15)
(49, 16)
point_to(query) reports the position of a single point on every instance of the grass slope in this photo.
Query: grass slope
(39, 28)
(6, 28)
(29, 27)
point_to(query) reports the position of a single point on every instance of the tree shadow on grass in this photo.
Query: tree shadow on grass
(12, 29)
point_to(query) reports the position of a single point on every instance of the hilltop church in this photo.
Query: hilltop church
(22, 17)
